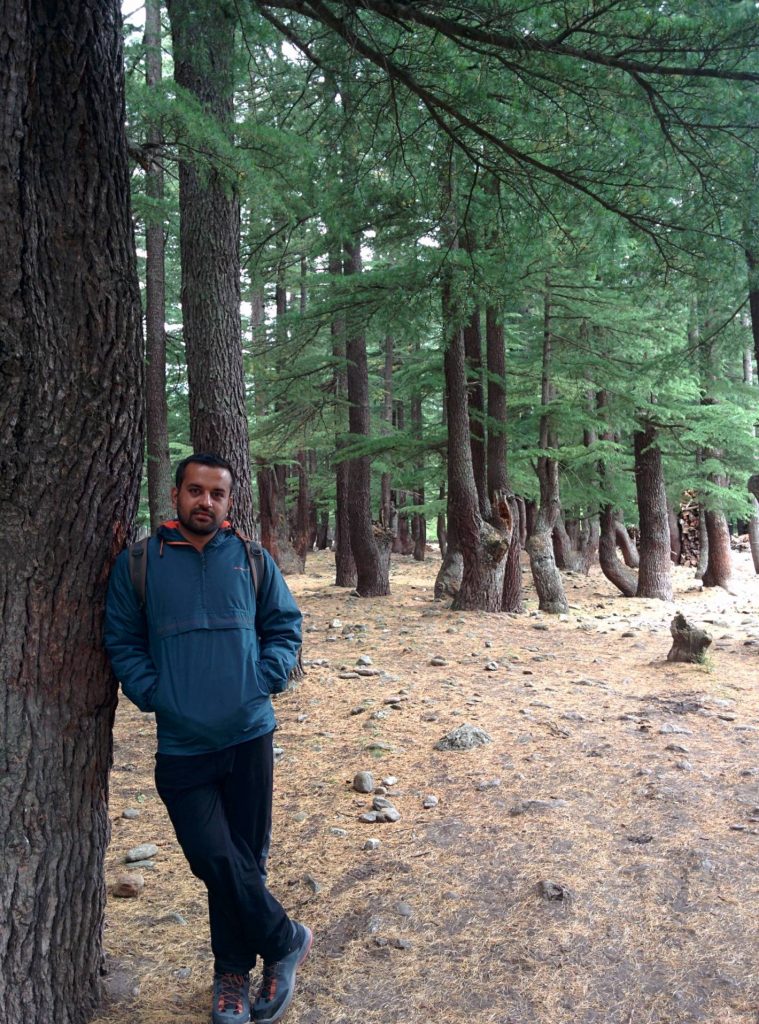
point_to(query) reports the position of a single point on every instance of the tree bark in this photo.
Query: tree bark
(654, 574)
(386, 510)
(419, 523)
(546, 576)
(345, 566)
(613, 569)
(370, 543)
(209, 213)
(625, 543)
(719, 564)
(71, 420)
(156, 412)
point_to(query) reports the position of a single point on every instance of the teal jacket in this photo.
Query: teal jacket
(205, 653)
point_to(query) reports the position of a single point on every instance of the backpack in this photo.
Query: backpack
(138, 574)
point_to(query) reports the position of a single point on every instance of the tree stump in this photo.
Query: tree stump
(690, 643)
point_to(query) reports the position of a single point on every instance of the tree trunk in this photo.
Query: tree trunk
(483, 547)
(512, 599)
(654, 574)
(613, 569)
(546, 576)
(70, 460)
(719, 565)
(476, 407)
(675, 544)
(345, 566)
(156, 413)
(386, 511)
(300, 523)
(419, 523)
(625, 543)
(441, 527)
(703, 544)
(209, 214)
(523, 530)
(370, 544)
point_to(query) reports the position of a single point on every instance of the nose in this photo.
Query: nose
(206, 500)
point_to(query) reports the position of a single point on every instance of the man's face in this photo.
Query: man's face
(204, 498)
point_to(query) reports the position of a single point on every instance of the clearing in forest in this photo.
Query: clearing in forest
(596, 863)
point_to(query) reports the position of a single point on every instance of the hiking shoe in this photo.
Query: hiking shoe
(278, 983)
(231, 1002)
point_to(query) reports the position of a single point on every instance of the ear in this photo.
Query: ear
(174, 493)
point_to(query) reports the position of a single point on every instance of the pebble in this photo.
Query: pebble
(363, 782)
(438, 660)
(368, 817)
(381, 803)
(430, 801)
(488, 784)
(668, 728)
(389, 781)
(536, 805)
(143, 852)
(172, 918)
(404, 909)
(372, 844)
(142, 865)
(552, 891)
(129, 885)
(363, 660)
(130, 813)
(339, 832)
(390, 814)
(312, 884)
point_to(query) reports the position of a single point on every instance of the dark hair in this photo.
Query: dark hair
(205, 459)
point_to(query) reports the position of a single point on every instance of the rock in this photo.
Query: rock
(172, 918)
(404, 909)
(381, 803)
(129, 885)
(668, 729)
(430, 801)
(183, 973)
(143, 852)
(488, 784)
(390, 814)
(401, 944)
(310, 882)
(465, 737)
(492, 666)
(142, 865)
(389, 781)
(368, 817)
(339, 832)
(363, 782)
(335, 624)
(130, 813)
(677, 748)
(379, 746)
(278, 752)
(371, 845)
(553, 891)
(364, 671)
(364, 660)
(438, 660)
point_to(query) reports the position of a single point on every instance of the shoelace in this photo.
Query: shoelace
(229, 993)
(268, 982)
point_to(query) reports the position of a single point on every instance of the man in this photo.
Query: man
(205, 653)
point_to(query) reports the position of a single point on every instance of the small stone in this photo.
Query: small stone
(381, 803)
(129, 885)
(401, 944)
(335, 624)
(339, 832)
(183, 973)
(311, 883)
(404, 909)
(364, 660)
(438, 660)
(372, 844)
(172, 918)
(358, 710)
(536, 805)
(142, 865)
(492, 666)
(430, 801)
(368, 817)
(389, 781)
(552, 891)
(130, 813)
(677, 748)
(391, 814)
(488, 784)
(684, 766)
(668, 729)
(363, 782)
(143, 852)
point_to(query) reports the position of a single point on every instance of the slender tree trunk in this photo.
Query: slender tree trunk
(345, 566)
(546, 576)
(386, 511)
(523, 529)
(156, 418)
(301, 522)
(498, 487)
(476, 407)
(675, 545)
(419, 523)
(654, 574)
(370, 544)
(719, 561)
(71, 419)
(625, 543)
(209, 214)
(612, 567)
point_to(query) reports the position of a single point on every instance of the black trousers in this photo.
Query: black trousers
(220, 807)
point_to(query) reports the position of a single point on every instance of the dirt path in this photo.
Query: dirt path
(598, 861)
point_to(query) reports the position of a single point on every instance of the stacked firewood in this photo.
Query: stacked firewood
(688, 519)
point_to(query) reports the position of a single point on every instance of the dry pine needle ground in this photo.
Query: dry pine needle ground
(651, 850)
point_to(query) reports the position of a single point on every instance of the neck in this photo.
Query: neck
(198, 540)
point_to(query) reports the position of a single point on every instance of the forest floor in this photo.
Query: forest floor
(597, 862)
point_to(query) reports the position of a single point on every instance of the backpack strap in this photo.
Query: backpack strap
(138, 568)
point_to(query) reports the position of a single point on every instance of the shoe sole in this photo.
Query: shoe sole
(286, 1004)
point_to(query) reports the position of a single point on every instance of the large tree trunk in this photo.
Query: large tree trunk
(156, 413)
(655, 572)
(546, 576)
(70, 460)
(209, 213)
(370, 543)
(719, 564)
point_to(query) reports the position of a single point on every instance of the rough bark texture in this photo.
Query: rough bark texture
(483, 547)
(209, 212)
(654, 574)
(753, 533)
(70, 460)
(625, 544)
(703, 544)
(612, 567)
(719, 564)
(370, 543)
(156, 413)
(675, 543)
(386, 511)
(689, 642)
(512, 599)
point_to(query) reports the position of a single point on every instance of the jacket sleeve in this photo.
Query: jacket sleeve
(278, 624)
(126, 638)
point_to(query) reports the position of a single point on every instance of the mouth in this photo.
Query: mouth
(202, 515)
